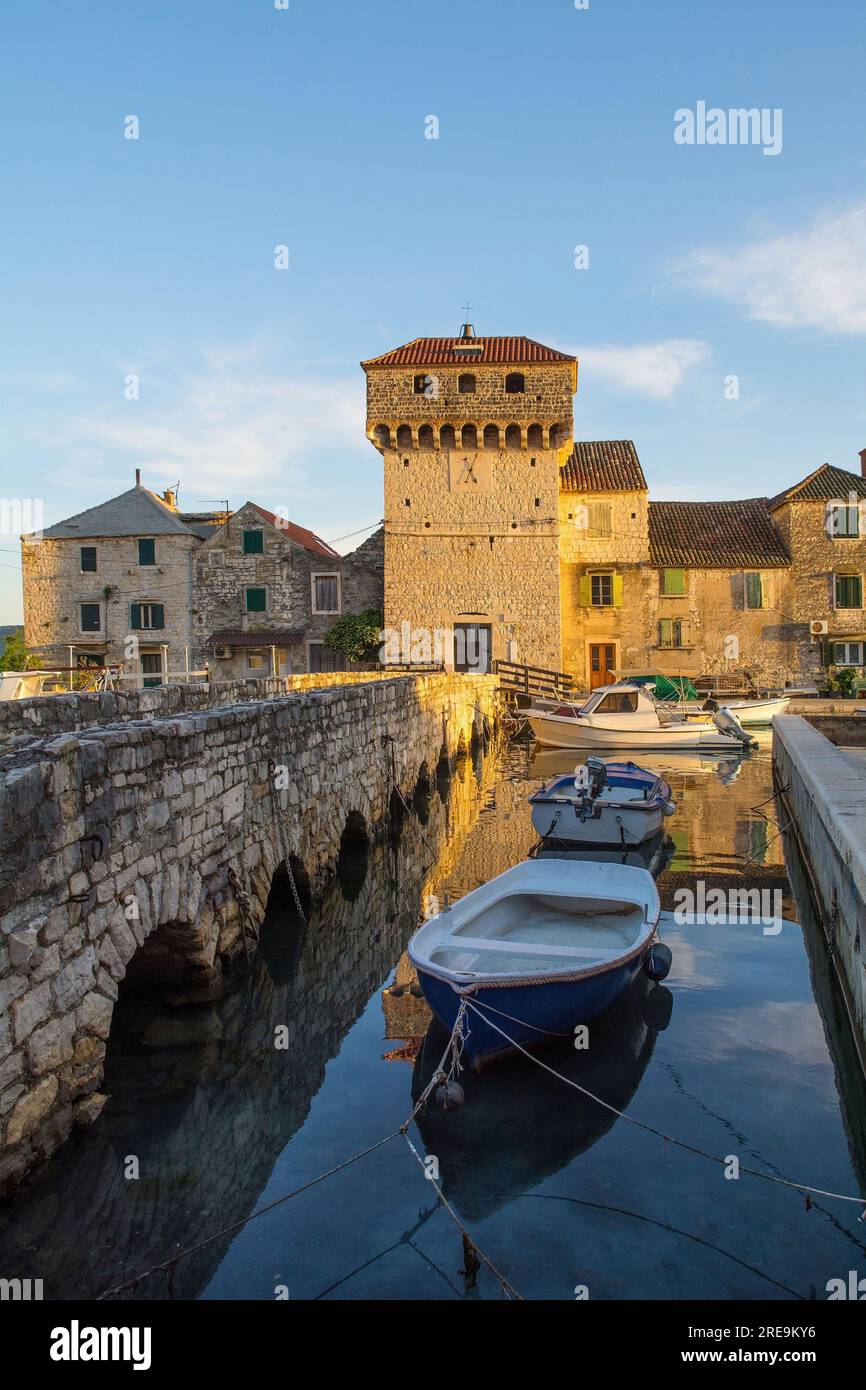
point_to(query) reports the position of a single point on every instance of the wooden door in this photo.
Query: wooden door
(602, 659)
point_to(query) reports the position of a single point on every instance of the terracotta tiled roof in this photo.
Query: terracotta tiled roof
(825, 483)
(603, 465)
(236, 637)
(308, 539)
(715, 535)
(440, 352)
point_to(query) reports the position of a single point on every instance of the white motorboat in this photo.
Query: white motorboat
(615, 805)
(752, 714)
(629, 716)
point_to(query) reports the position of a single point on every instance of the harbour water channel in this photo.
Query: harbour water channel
(744, 1052)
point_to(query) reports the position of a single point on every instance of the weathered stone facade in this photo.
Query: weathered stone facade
(137, 585)
(471, 493)
(286, 573)
(491, 521)
(55, 587)
(160, 841)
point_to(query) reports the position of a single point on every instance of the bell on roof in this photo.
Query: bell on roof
(467, 333)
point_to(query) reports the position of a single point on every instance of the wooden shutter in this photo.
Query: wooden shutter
(135, 616)
(585, 591)
(665, 632)
(616, 588)
(674, 582)
(157, 615)
(754, 591)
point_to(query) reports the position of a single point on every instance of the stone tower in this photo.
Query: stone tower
(472, 432)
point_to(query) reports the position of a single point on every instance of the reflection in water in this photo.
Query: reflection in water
(518, 1126)
(222, 1121)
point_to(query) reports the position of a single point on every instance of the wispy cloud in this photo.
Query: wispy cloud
(814, 277)
(656, 370)
(229, 426)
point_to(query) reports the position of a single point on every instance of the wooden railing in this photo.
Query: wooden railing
(517, 679)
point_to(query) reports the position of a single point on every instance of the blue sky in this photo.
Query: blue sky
(306, 127)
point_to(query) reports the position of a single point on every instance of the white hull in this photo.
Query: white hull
(554, 731)
(753, 713)
(615, 824)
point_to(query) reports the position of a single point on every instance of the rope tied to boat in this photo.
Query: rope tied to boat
(805, 1189)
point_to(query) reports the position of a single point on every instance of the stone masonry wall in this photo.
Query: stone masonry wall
(54, 587)
(170, 830)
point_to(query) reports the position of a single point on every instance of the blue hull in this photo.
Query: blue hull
(542, 1009)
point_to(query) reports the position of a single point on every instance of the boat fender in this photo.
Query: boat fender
(658, 961)
(670, 808)
(657, 1007)
(450, 1095)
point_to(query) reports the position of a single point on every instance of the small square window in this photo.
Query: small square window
(849, 591)
(326, 593)
(257, 600)
(147, 552)
(254, 542)
(673, 581)
(88, 559)
(91, 617)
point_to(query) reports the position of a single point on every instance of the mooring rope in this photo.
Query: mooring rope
(801, 1187)
(455, 1047)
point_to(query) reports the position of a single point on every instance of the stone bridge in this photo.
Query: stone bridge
(150, 848)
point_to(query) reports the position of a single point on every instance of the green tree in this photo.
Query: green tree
(15, 657)
(358, 636)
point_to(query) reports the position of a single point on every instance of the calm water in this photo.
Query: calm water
(743, 1051)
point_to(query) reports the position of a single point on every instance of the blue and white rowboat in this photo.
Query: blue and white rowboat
(546, 946)
(606, 805)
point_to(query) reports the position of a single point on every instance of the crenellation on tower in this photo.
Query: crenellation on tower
(472, 432)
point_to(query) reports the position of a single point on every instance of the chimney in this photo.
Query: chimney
(169, 498)
(138, 477)
(863, 462)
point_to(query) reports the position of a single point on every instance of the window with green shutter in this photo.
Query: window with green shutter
(146, 617)
(254, 542)
(849, 591)
(673, 581)
(91, 619)
(256, 600)
(671, 632)
(601, 590)
(843, 520)
(147, 552)
(599, 523)
(754, 591)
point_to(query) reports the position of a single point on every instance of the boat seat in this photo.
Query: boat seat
(526, 948)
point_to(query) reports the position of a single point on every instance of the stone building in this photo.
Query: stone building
(268, 591)
(472, 432)
(136, 583)
(115, 584)
(506, 540)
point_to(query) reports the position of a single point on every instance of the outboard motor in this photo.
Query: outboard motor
(588, 782)
(729, 724)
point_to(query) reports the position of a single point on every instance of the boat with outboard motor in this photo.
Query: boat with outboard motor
(627, 715)
(610, 805)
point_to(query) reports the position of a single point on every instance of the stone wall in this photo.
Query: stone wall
(824, 790)
(54, 587)
(44, 715)
(285, 570)
(171, 832)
